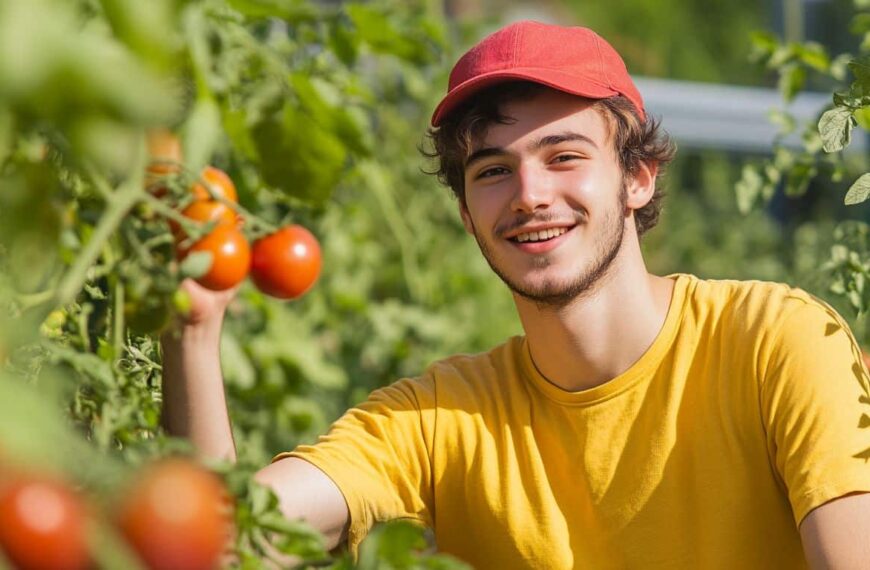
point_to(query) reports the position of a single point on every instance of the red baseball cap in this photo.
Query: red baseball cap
(571, 59)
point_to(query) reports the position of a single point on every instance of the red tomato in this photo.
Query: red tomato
(287, 263)
(231, 257)
(219, 182)
(175, 517)
(42, 524)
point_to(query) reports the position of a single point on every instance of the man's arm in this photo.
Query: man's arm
(194, 404)
(305, 492)
(194, 407)
(836, 535)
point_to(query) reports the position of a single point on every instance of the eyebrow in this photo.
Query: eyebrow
(537, 144)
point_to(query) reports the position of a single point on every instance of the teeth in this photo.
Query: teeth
(541, 235)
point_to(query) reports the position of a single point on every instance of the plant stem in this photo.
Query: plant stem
(118, 205)
(161, 208)
(30, 300)
(250, 219)
(118, 318)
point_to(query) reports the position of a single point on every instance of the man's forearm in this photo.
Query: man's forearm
(194, 404)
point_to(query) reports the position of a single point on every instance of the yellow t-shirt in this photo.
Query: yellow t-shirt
(707, 453)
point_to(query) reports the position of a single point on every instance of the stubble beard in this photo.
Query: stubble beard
(557, 295)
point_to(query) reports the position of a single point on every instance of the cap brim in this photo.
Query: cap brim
(558, 80)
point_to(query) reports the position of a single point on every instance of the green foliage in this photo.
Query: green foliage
(849, 265)
(678, 39)
(291, 98)
(822, 159)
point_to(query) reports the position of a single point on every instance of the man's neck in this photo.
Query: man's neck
(599, 336)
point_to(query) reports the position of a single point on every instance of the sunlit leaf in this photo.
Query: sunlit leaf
(835, 127)
(859, 191)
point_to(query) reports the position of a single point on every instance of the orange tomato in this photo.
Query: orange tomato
(231, 257)
(219, 183)
(175, 516)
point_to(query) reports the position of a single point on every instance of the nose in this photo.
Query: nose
(533, 191)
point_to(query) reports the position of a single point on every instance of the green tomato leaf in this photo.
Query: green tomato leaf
(839, 66)
(860, 68)
(814, 55)
(859, 191)
(862, 118)
(299, 156)
(344, 44)
(763, 45)
(781, 55)
(748, 188)
(798, 179)
(835, 126)
(196, 264)
(792, 78)
(201, 133)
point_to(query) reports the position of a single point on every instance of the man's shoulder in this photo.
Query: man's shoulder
(751, 299)
(506, 354)
(472, 374)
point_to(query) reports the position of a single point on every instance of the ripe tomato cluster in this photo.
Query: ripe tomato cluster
(284, 264)
(175, 514)
(229, 249)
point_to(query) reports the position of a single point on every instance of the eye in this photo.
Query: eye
(566, 157)
(490, 172)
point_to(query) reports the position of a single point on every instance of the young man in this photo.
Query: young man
(640, 422)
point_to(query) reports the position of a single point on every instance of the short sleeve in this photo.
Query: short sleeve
(814, 396)
(379, 456)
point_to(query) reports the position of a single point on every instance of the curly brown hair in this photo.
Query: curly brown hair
(634, 140)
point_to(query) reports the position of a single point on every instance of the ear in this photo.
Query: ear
(466, 216)
(642, 185)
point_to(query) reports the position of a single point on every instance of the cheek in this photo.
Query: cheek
(481, 207)
(594, 186)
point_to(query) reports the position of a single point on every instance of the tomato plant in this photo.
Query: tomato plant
(286, 263)
(176, 515)
(42, 524)
(110, 113)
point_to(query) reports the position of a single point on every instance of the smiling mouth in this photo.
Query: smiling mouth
(539, 236)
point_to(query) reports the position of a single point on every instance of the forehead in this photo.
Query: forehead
(545, 113)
